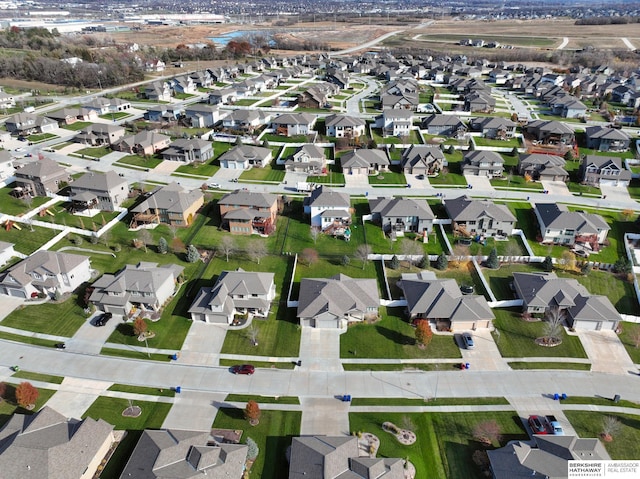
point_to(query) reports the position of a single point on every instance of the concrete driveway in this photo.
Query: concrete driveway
(356, 181)
(606, 352)
(193, 410)
(75, 396)
(485, 355)
(481, 183)
(320, 349)
(89, 339)
(327, 416)
(203, 344)
(615, 193)
(556, 188)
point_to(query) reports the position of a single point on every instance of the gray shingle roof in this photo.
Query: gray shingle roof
(363, 158)
(464, 208)
(323, 196)
(393, 207)
(42, 263)
(343, 120)
(99, 181)
(172, 197)
(337, 295)
(245, 198)
(558, 216)
(41, 168)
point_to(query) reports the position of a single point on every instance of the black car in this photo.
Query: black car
(466, 289)
(103, 319)
(60, 346)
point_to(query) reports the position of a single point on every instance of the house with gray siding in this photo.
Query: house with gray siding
(558, 225)
(424, 160)
(443, 125)
(494, 127)
(604, 171)
(244, 157)
(39, 178)
(191, 150)
(364, 162)
(402, 215)
(479, 217)
(97, 190)
(483, 163)
(604, 138)
(541, 167)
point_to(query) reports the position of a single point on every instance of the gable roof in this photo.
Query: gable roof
(464, 208)
(394, 207)
(336, 120)
(363, 158)
(421, 154)
(248, 199)
(42, 169)
(336, 295)
(42, 263)
(99, 181)
(326, 197)
(172, 197)
(558, 216)
(244, 153)
(294, 119)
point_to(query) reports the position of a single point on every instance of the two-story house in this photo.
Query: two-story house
(396, 123)
(344, 126)
(189, 151)
(99, 134)
(98, 191)
(144, 143)
(558, 225)
(402, 215)
(328, 209)
(245, 120)
(494, 127)
(234, 293)
(292, 124)
(604, 171)
(479, 217)
(483, 163)
(171, 204)
(246, 212)
(25, 124)
(603, 138)
(308, 158)
(39, 178)
(443, 125)
(45, 272)
(424, 160)
(200, 115)
(141, 287)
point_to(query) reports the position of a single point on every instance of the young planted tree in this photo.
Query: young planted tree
(345, 260)
(314, 232)
(362, 253)
(442, 262)
(252, 334)
(492, 260)
(568, 260)
(424, 335)
(554, 317)
(547, 264)
(309, 256)
(610, 427)
(257, 250)
(163, 246)
(192, 254)
(139, 326)
(394, 263)
(252, 449)
(487, 432)
(145, 238)
(26, 395)
(227, 246)
(252, 412)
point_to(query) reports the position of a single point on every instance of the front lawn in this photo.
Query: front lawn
(60, 319)
(509, 143)
(392, 337)
(266, 174)
(9, 406)
(445, 444)
(516, 182)
(516, 338)
(116, 115)
(393, 177)
(625, 444)
(97, 152)
(631, 331)
(77, 126)
(141, 161)
(273, 435)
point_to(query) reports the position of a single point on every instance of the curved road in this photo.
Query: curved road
(565, 42)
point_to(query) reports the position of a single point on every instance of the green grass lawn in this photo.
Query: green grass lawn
(629, 332)
(47, 378)
(141, 161)
(20, 338)
(9, 406)
(273, 436)
(445, 443)
(380, 243)
(383, 401)
(133, 354)
(266, 174)
(517, 182)
(393, 177)
(508, 143)
(60, 319)
(516, 339)
(625, 444)
(116, 115)
(263, 399)
(210, 168)
(599, 401)
(545, 365)
(97, 152)
(13, 206)
(39, 138)
(125, 388)
(512, 247)
(62, 216)
(392, 337)
(77, 126)
(500, 279)
(273, 138)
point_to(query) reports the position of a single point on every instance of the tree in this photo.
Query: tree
(257, 250)
(252, 412)
(442, 262)
(511, 249)
(487, 432)
(139, 326)
(145, 238)
(163, 246)
(192, 254)
(622, 265)
(610, 426)
(472, 145)
(26, 395)
(362, 254)
(586, 268)
(314, 232)
(554, 317)
(569, 156)
(309, 256)
(411, 248)
(514, 151)
(177, 245)
(492, 260)
(394, 263)
(252, 333)
(345, 260)
(106, 238)
(547, 264)
(568, 260)
(238, 140)
(423, 332)
(227, 246)
(626, 214)
(423, 262)
(252, 449)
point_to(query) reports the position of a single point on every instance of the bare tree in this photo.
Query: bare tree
(568, 260)
(410, 248)
(314, 232)
(174, 230)
(362, 253)
(227, 246)
(257, 250)
(145, 238)
(635, 337)
(252, 334)
(554, 317)
(309, 256)
(487, 432)
(610, 427)
(512, 249)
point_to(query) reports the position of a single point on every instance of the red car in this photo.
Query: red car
(538, 424)
(243, 369)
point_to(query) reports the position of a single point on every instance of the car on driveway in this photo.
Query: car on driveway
(103, 319)
(248, 369)
(214, 186)
(538, 424)
(467, 339)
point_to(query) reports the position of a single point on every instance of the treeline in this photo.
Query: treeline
(607, 20)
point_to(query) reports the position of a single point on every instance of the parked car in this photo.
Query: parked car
(243, 369)
(60, 346)
(538, 424)
(582, 253)
(103, 319)
(464, 241)
(214, 186)
(467, 339)
(420, 177)
(466, 289)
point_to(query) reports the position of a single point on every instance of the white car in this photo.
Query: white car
(214, 186)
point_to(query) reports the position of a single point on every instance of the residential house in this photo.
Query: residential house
(443, 125)
(40, 178)
(404, 101)
(604, 171)
(547, 456)
(558, 225)
(483, 163)
(183, 85)
(223, 96)
(200, 115)
(604, 138)
(494, 127)
(364, 162)
(246, 212)
(136, 288)
(245, 120)
(47, 444)
(314, 97)
(344, 126)
(441, 302)
(6, 252)
(479, 217)
(336, 301)
(550, 132)
(202, 78)
(328, 208)
(99, 134)
(338, 457)
(402, 215)
(339, 78)
(68, 116)
(158, 91)
(422, 160)
(396, 123)
(243, 157)
(7, 169)
(98, 190)
(479, 101)
(170, 204)
(7, 100)
(309, 159)
(155, 66)
(544, 292)
(541, 167)
(174, 453)
(163, 113)
(45, 272)
(144, 143)
(25, 124)
(234, 293)
(292, 124)
(189, 151)
(103, 105)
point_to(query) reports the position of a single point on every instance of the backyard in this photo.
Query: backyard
(625, 444)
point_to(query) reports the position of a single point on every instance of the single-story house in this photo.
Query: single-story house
(243, 157)
(170, 204)
(364, 162)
